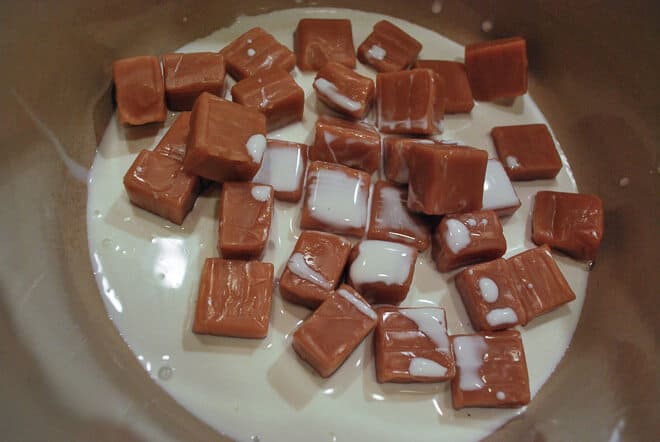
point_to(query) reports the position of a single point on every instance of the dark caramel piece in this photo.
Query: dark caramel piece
(226, 141)
(411, 345)
(395, 155)
(491, 370)
(527, 152)
(351, 143)
(188, 75)
(234, 298)
(328, 337)
(382, 271)
(490, 296)
(540, 283)
(319, 41)
(344, 90)
(275, 94)
(283, 167)
(158, 184)
(497, 69)
(254, 52)
(499, 194)
(246, 211)
(174, 142)
(458, 95)
(139, 90)
(388, 48)
(467, 238)
(570, 222)
(446, 179)
(391, 221)
(314, 268)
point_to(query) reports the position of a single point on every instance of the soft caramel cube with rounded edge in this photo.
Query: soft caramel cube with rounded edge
(458, 94)
(188, 75)
(344, 90)
(396, 150)
(388, 48)
(283, 166)
(318, 41)
(527, 151)
(139, 90)
(175, 141)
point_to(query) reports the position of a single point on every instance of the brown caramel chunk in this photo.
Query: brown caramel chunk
(540, 283)
(234, 298)
(314, 268)
(273, 93)
(491, 370)
(458, 95)
(139, 90)
(174, 142)
(226, 140)
(411, 345)
(388, 48)
(527, 152)
(344, 90)
(446, 179)
(328, 337)
(254, 52)
(188, 75)
(351, 143)
(283, 166)
(319, 41)
(497, 69)
(570, 222)
(395, 155)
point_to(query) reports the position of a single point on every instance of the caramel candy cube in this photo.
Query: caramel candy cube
(254, 52)
(283, 167)
(395, 155)
(391, 221)
(234, 298)
(139, 90)
(226, 141)
(497, 69)
(319, 41)
(466, 239)
(328, 337)
(499, 194)
(315, 268)
(159, 184)
(335, 199)
(188, 75)
(540, 283)
(490, 296)
(411, 345)
(491, 370)
(527, 151)
(458, 95)
(382, 271)
(273, 93)
(344, 90)
(570, 222)
(351, 143)
(246, 211)
(446, 179)
(174, 142)
(388, 48)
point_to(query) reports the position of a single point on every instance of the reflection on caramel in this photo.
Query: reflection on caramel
(388, 48)
(139, 90)
(254, 52)
(174, 142)
(318, 41)
(188, 75)
(458, 94)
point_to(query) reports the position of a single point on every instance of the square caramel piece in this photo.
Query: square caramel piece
(226, 140)
(139, 90)
(158, 184)
(246, 211)
(174, 142)
(411, 345)
(328, 337)
(458, 95)
(344, 90)
(283, 167)
(570, 222)
(275, 94)
(335, 199)
(234, 298)
(315, 268)
(388, 48)
(497, 69)
(351, 143)
(318, 41)
(490, 296)
(467, 238)
(188, 75)
(527, 151)
(391, 221)
(540, 283)
(395, 156)
(499, 194)
(446, 179)
(382, 271)
(254, 52)
(491, 370)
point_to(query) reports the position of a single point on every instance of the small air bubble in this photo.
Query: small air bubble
(107, 242)
(117, 248)
(98, 214)
(255, 438)
(124, 252)
(127, 219)
(165, 373)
